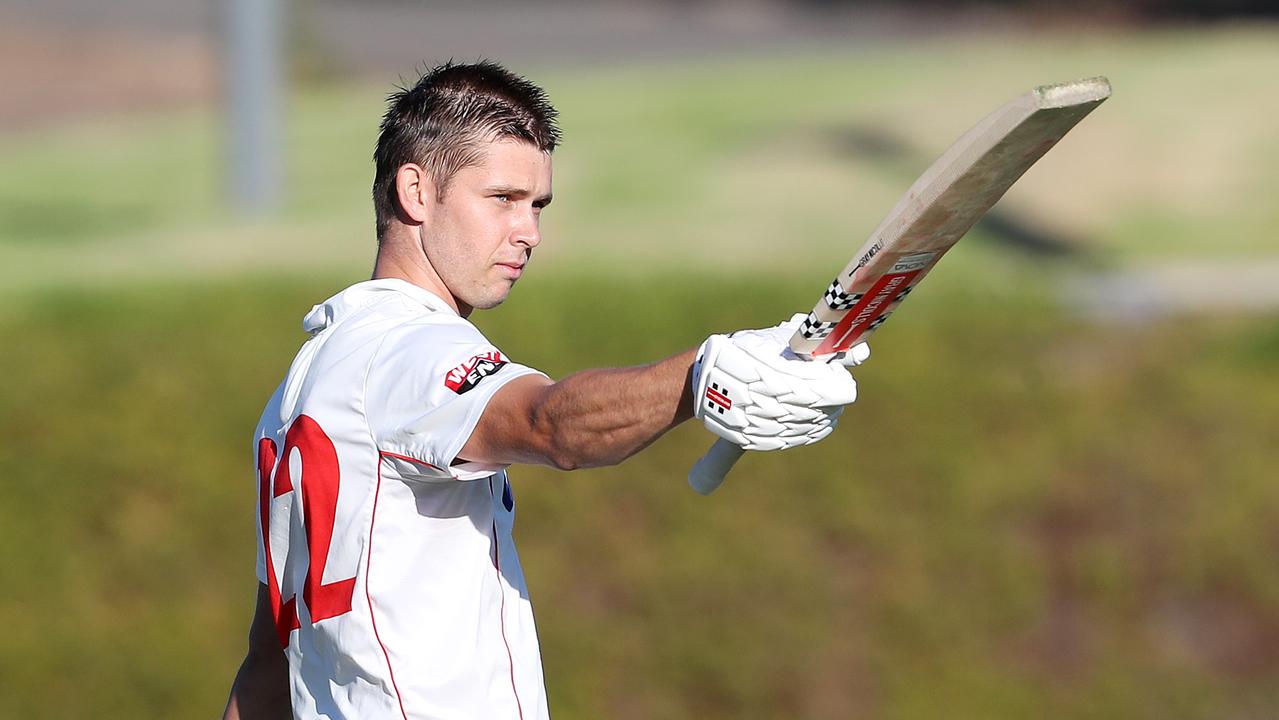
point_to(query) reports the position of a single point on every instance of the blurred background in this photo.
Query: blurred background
(1056, 496)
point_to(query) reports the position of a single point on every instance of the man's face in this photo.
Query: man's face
(480, 236)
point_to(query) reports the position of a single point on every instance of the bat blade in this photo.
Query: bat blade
(943, 204)
(938, 209)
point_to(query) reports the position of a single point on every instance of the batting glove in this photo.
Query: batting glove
(750, 389)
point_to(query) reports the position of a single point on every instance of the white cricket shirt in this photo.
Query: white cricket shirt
(392, 571)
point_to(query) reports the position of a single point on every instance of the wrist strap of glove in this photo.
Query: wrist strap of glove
(706, 356)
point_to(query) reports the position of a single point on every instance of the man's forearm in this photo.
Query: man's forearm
(261, 687)
(260, 692)
(601, 417)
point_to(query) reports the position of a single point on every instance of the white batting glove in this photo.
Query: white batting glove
(780, 336)
(751, 390)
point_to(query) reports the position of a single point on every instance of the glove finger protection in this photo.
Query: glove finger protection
(830, 381)
(752, 391)
(785, 442)
(854, 356)
(750, 442)
(797, 382)
(780, 335)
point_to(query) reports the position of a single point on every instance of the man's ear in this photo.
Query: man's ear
(414, 189)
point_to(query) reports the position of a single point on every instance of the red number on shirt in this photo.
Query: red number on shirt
(319, 461)
(286, 615)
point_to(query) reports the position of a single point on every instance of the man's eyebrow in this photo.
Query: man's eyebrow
(506, 190)
(518, 193)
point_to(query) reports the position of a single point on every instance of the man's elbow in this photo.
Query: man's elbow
(564, 461)
(560, 451)
(566, 450)
(554, 445)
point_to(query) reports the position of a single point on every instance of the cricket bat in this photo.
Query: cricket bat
(943, 204)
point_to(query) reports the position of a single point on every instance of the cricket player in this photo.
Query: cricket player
(389, 586)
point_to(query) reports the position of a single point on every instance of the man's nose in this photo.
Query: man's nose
(527, 233)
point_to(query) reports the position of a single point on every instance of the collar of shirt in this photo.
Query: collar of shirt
(364, 293)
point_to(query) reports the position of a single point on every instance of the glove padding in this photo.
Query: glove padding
(751, 390)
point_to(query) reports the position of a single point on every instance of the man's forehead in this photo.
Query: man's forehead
(511, 151)
(510, 160)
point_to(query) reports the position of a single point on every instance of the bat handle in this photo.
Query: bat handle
(708, 473)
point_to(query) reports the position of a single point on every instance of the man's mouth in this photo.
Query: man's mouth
(513, 269)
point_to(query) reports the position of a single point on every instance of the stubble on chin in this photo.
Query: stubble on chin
(487, 298)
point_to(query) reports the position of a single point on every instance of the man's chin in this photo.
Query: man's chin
(490, 302)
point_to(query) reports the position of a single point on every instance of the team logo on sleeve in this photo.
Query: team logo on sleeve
(470, 373)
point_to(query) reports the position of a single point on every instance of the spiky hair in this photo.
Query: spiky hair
(443, 120)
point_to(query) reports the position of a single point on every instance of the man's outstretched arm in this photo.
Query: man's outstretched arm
(756, 393)
(261, 687)
(588, 419)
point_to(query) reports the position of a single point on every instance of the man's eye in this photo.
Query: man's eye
(503, 198)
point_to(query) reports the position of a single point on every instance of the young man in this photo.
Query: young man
(389, 584)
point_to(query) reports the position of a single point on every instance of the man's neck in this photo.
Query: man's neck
(396, 260)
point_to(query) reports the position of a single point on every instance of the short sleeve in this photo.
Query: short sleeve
(427, 388)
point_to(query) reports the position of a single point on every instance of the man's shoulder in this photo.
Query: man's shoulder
(390, 320)
(387, 299)
(430, 347)
(431, 332)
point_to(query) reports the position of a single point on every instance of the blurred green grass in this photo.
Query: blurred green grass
(1021, 516)
(1026, 514)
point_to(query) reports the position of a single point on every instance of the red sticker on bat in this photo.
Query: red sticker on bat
(873, 305)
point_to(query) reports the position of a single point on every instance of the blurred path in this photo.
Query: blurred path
(61, 59)
(389, 37)
(75, 73)
(1168, 289)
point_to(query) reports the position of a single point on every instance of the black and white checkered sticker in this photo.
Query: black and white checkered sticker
(837, 299)
(902, 295)
(877, 322)
(815, 329)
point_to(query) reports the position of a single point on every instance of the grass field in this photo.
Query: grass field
(1026, 514)
(1022, 514)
